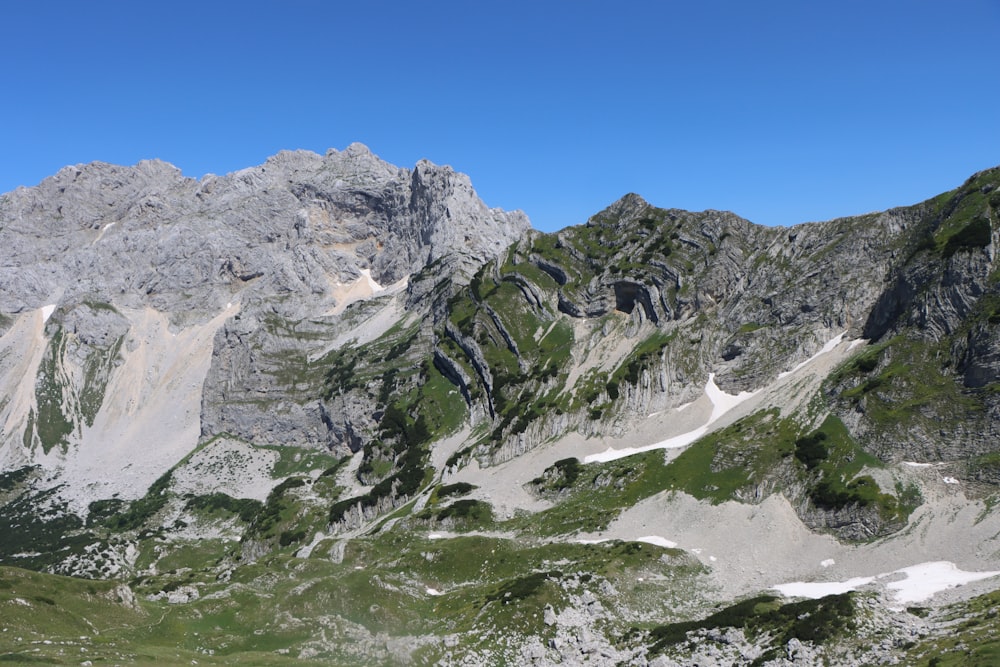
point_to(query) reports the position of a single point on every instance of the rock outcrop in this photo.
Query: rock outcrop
(282, 249)
(300, 224)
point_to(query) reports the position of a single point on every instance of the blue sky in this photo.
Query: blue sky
(782, 112)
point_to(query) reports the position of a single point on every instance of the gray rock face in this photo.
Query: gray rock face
(298, 224)
(289, 243)
(747, 302)
(772, 295)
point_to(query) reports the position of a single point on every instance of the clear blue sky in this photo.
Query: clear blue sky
(783, 112)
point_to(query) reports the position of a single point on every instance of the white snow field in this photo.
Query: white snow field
(919, 583)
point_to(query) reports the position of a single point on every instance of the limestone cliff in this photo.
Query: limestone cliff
(266, 258)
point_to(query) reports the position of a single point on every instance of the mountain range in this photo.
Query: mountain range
(330, 409)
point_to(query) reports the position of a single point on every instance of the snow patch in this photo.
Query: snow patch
(924, 580)
(682, 440)
(433, 591)
(657, 541)
(721, 404)
(949, 480)
(816, 590)
(47, 311)
(920, 583)
(721, 401)
(829, 562)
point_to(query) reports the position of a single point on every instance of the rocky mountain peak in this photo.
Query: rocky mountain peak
(358, 149)
(115, 262)
(300, 222)
(339, 369)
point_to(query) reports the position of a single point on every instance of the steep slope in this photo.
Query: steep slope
(610, 444)
(144, 313)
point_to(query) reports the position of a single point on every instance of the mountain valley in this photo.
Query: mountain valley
(327, 409)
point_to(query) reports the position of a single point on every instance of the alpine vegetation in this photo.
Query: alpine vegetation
(331, 410)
